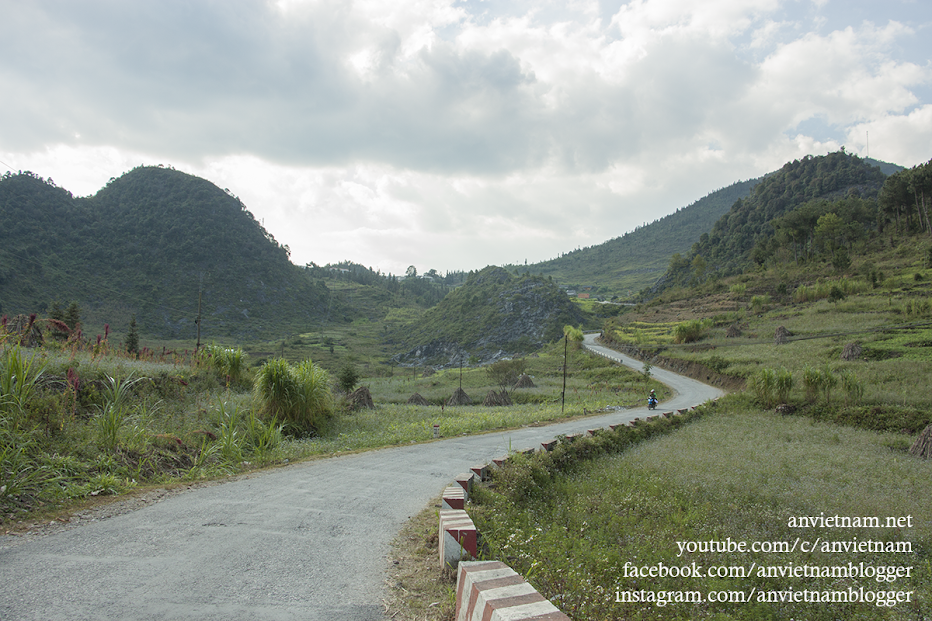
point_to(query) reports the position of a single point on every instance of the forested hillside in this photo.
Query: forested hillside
(624, 265)
(785, 211)
(147, 245)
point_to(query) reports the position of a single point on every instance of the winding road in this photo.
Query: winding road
(305, 542)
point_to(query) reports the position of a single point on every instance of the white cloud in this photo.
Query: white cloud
(453, 134)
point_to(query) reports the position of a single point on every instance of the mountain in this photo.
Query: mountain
(741, 237)
(151, 243)
(624, 265)
(492, 315)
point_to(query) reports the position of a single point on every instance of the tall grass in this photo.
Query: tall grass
(228, 362)
(823, 289)
(113, 413)
(19, 375)
(299, 396)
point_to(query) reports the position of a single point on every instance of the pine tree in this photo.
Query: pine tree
(132, 338)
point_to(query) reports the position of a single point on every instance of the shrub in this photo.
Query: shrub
(690, 331)
(759, 302)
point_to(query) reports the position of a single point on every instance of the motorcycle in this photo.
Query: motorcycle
(651, 403)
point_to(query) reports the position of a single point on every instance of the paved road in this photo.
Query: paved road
(306, 542)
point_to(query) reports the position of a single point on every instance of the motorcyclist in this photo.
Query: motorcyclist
(652, 399)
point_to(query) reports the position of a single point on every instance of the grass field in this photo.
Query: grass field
(736, 474)
(78, 424)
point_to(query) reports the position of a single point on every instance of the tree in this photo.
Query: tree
(699, 266)
(131, 342)
(73, 316)
(841, 261)
(411, 272)
(347, 378)
(569, 334)
(827, 230)
(505, 373)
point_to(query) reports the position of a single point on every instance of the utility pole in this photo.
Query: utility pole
(198, 320)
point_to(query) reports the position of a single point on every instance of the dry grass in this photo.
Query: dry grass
(418, 589)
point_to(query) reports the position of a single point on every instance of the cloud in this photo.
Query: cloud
(448, 133)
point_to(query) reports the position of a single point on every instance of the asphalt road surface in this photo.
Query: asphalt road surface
(308, 541)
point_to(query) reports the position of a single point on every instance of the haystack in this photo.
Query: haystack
(428, 372)
(922, 447)
(782, 336)
(360, 398)
(525, 382)
(26, 329)
(417, 399)
(733, 331)
(496, 398)
(460, 398)
(852, 351)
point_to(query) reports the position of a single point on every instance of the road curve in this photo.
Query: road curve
(308, 541)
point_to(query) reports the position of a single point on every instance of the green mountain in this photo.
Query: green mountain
(492, 315)
(150, 244)
(838, 183)
(623, 266)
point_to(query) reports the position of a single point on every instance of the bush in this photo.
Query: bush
(759, 302)
(690, 331)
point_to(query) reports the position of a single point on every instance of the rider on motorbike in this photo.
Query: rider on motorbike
(652, 400)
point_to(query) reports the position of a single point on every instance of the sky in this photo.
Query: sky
(450, 134)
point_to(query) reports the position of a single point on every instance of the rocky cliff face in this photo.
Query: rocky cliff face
(494, 315)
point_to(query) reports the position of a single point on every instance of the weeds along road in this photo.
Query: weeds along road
(308, 541)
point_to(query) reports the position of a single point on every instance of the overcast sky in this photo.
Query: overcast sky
(450, 134)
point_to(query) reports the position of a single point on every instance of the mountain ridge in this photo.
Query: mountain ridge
(151, 243)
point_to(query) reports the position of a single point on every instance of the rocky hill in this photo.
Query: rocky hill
(494, 314)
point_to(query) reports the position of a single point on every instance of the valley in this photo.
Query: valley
(809, 300)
